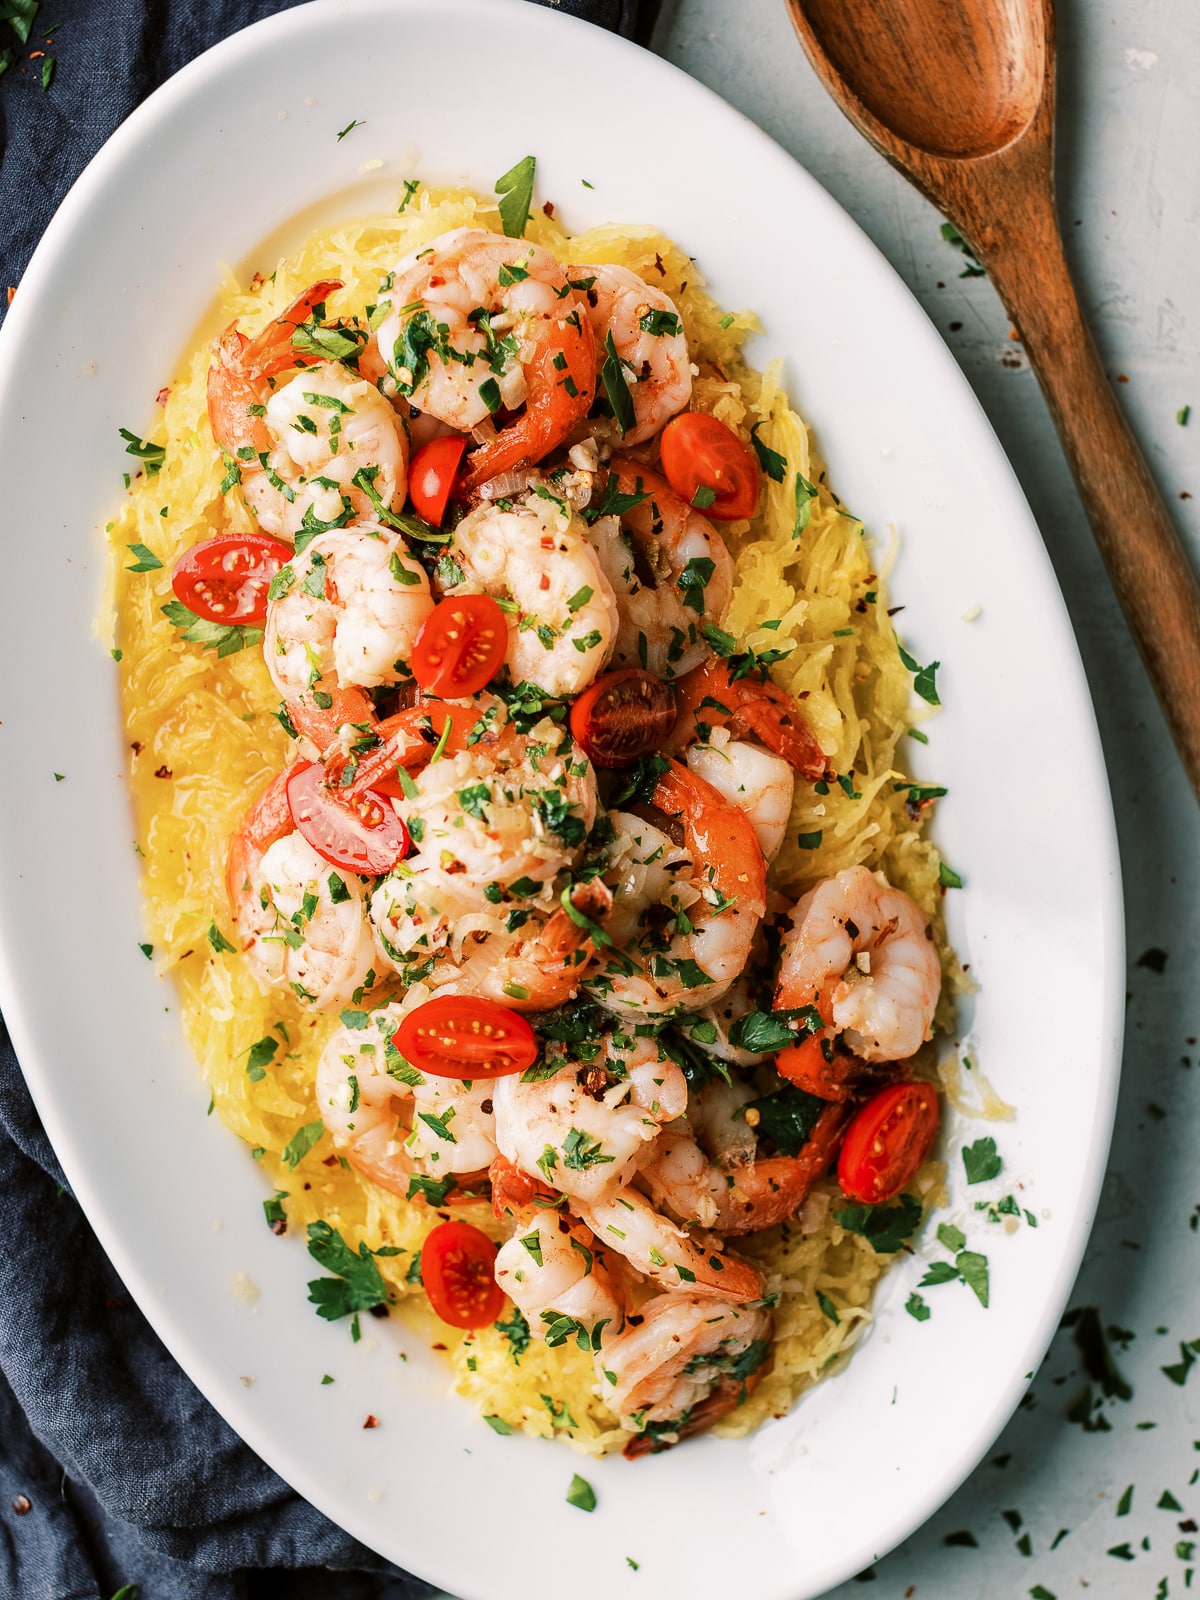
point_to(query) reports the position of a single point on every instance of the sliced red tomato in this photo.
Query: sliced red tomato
(458, 1271)
(431, 475)
(622, 716)
(700, 453)
(887, 1142)
(460, 646)
(226, 579)
(360, 835)
(459, 1036)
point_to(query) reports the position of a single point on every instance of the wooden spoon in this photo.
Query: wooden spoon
(959, 95)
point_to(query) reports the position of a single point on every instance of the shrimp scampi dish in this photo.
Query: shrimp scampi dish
(517, 710)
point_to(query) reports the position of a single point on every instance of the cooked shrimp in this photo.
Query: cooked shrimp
(528, 958)
(584, 1127)
(537, 556)
(707, 1173)
(346, 613)
(647, 334)
(241, 369)
(718, 694)
(669, 569)
(514, 808)
(659, 1249)
(751, 778)
(544, 968)
(298, 448)
(553, 1268)
(688, 948)
(480, 323)
(294, 933)
(391, 1121)
(862, 952)
(684, 1362)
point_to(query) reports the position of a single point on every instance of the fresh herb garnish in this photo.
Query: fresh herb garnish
(515, 189)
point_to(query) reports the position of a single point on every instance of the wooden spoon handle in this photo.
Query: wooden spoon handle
(1150, 572)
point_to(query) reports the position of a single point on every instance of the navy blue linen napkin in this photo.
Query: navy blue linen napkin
(114, 1470)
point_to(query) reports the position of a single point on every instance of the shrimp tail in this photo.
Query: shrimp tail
(750, 707)
(779, 1185)
(832, 1072)
(560, 383)
(716, 833)
(241, 366)
(727, 1394)
(514, 1191)
(268, 820)
(320, 723)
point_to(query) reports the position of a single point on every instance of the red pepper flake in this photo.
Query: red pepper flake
(163, 772)
(136, 746)
(12, 289)
(548, 208)
(163, 395)
(36, 55)
(1121, 378)
(22, 1504)
(371, 1422)
(437, 1347)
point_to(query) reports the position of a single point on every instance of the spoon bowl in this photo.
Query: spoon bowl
(989, 60)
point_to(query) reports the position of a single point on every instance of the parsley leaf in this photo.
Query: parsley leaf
(612, 376)
(153, 455)
(806, 493)
(357, 1285)
(581, 1494)
(302, 1142)
(772, 463)
(225, 638)
(147, 561)
(788, 1117)
(981, 1161)
(515, 189)
(516, 1331)
(884, 1227)
(767, 1031)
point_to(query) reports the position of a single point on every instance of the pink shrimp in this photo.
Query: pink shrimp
(482, 322)
(750, 706)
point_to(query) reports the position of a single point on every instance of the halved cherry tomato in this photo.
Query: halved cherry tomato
(457, 1269)
(431, 475)
(698, 452)
(360, 835)
(887, 1142)
(460, 646)
(622, 716)
(458, 1036)
(226, 579)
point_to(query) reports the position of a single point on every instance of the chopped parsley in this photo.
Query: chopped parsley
(772, 463)
(515, 189)
(356, 1285)
(885, 1227)
(581, 1494)
(981, 1161)
(612, 376)
(225, 638)
(151, 455)
(302, 1142)
(146, 560)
